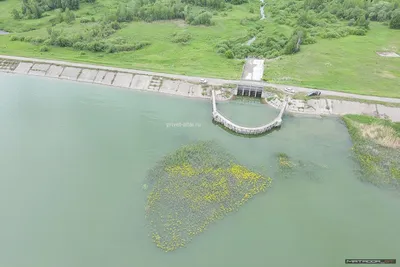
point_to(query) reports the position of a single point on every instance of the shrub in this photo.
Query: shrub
(229, 54)
(15, 14)
(44, 48)
(37, 40)
(351, 22)
(395, 20)
(181, 37)
(69, 16)
(85, 20)
(80, 46)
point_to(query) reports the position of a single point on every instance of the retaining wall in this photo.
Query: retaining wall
(218, 117)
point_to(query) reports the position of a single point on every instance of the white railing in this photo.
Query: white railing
(218, 117)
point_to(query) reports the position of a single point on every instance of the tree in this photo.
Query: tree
(362, 22)
(15, 14)
(69, 16)
(395, 21)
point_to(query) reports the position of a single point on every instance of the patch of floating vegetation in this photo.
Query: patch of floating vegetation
(193, 187)
(289, 168)
(376, 144)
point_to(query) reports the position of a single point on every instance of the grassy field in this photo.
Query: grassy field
(349, 64)
(199, 57)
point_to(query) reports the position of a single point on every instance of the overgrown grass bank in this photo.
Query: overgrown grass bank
(376, 146)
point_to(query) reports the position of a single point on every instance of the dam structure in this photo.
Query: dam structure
(218, 117)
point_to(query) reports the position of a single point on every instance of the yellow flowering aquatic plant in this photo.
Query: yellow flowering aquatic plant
(193, 187)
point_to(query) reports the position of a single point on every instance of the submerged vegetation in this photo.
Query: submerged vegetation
(193, 187)
(376, 145)
(290, 168)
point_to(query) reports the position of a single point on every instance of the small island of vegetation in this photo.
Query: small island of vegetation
(193, 187)
(376, 146)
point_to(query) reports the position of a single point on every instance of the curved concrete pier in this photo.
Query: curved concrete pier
(218, 117)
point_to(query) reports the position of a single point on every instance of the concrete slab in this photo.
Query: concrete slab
(70, 73)
(155, 83)
(8, 65)
(169, 86)
(391, 112)
(253, 70)
(141, 82)
(340, 107)
(23, 67)
(55, 71)
(108, 78)
(123, 79)
(40, 67)
(99, 76)
(184, 88)
(196, 90)
(87, 75)
(37, 72)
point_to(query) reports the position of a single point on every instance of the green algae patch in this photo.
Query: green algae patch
(376, 147)
(292, 168)
(188, 190)
(284, 161)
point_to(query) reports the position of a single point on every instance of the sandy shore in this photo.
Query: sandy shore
(185, 86)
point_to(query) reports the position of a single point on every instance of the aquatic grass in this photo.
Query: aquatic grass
(376, 148)
(284, 161)
(193, 187)
(289, 168)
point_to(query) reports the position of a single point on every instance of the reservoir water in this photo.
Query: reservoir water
(73, 158)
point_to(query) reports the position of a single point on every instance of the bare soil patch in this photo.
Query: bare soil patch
(388, 54)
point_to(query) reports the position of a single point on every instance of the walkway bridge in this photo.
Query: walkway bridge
(246, 130)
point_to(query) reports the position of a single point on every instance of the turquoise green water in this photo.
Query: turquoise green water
(73, 158)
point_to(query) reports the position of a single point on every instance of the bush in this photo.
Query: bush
(182, 37)
(69, 16)
(85, 20)
(395, 20)
(37, 40)
(44, 48)
(357, 31)
(15, 14)
(229, 54)
(80, 46)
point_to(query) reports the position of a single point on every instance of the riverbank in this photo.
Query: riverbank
(188, 86)
(376, 144)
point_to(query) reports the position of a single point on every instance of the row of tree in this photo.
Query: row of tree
(162, 10)
(353, 10)
(34, 9)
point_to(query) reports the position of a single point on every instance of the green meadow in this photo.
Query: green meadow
(337, 52)
(348, 64)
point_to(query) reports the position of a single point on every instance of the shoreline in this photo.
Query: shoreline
(195, 79)
(185, 86)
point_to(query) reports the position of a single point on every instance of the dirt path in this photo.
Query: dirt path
(211, 81)
(262, 9)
